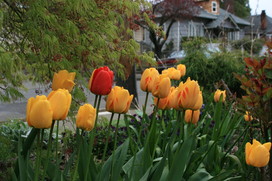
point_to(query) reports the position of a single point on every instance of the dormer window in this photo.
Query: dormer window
(214, 7)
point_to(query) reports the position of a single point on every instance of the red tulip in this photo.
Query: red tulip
(101, 80)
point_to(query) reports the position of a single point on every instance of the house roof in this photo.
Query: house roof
(223, 17)
(204, 14)
(256, 24)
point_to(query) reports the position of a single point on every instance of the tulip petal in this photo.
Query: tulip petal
(267, 146)
(259, 156)
(101, 83)
(41, 114)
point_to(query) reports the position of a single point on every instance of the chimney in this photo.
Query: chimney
(263, 20)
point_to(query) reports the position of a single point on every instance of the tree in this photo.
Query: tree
(77, 35)
(165, 11)
(238, 7)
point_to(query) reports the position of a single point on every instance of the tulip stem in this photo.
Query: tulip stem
(97, 110)
(49, 145)
(144, 108)
(115, 140)
(78, 152)
(131, 146)
(57, 140)
(108, 135)
(38, 156)
(95, 100)
(116, 131)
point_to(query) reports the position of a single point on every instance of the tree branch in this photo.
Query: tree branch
(16, 10)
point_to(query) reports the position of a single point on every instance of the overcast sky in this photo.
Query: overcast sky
(259, 5)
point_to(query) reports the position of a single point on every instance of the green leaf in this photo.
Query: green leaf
(119, 160)
(200, 174)
(225, 174)
(181, 159)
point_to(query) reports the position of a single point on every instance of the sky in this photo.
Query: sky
(259, 5)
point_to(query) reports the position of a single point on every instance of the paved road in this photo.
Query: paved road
(17, 109)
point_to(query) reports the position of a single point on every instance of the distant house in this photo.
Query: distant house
(211, 22)
(261, 26)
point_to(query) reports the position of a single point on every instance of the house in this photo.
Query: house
(261, 26)
(211, 22)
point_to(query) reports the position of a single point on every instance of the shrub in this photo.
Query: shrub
(247, 43)
(209, 68)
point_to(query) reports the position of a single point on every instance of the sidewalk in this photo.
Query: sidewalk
(17, 109)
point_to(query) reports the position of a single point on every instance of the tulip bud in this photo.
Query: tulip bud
(63, 80)
(85, 118)
(148, 78)
(191, 116)
(60, 101)
(217, 95)
(182, 69)
(257, 154)
(172, 73)
(39, 113)
(248, 117)
(118, 100)
(101, 81)
(161, 86)
(173, 99)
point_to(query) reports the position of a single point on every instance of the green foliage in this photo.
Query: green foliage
(11, 77)
(42, 37)
(209, 68)
(248, 45)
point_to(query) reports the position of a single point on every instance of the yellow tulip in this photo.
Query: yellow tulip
(217, 95)
(164, 103)
(257, 154)
(172, 73)
(248, 117)
(182, 69)
(191, 96)
(63, 80)
(118, 100)
(60, 101)
(39, 113)
(161, 86)
(147, 79)
(85, 118)
(191, 116)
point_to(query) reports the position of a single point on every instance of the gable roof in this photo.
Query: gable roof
(225, 16)
(256, 24)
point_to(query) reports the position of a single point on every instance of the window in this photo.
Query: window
(195, 29)
(234, 35)
(214, 6)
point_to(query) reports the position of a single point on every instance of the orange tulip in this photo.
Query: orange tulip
(63, 80)
(39, 113)
(217, 95)
(85, 118)
(147, 79)
(191, 96)
(248, 117)
(164, 103)
(191, 116)
(182, 69)
(172, 73)
(118, 100)
(161, 86)
(257, 154)
(173, 99)
(60, 101)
